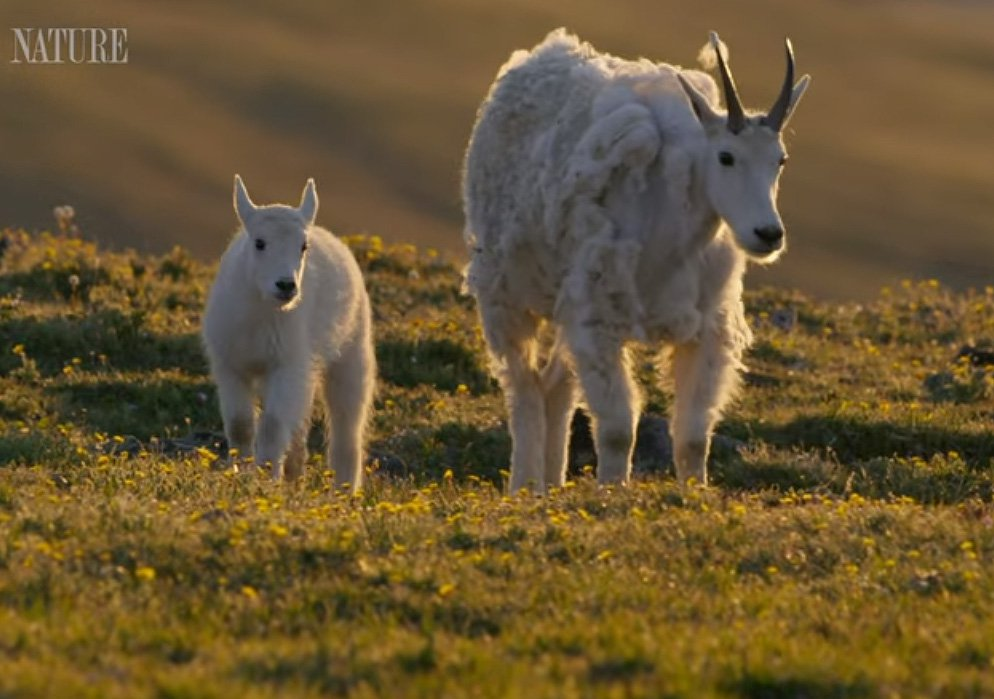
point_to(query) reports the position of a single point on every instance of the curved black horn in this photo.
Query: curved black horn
(736, 116)
(778, 112)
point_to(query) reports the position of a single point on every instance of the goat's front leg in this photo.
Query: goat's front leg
(705, 375)
(559, 387)
(288, 392)
(612, 398)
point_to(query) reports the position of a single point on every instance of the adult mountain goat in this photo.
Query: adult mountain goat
(616, 200)
(288, 314)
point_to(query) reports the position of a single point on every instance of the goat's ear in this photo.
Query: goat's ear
(243, 203)
(309, 202)
(795, 96)
(701, 104)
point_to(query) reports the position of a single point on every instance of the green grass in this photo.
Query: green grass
(844, 550)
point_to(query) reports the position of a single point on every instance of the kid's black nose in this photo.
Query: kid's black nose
(771, 235)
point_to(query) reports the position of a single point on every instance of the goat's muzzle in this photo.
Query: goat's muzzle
(286, 290)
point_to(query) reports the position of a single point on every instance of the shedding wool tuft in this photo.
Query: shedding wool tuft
(708, 55)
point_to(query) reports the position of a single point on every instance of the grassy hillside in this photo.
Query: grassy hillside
(844, 551)
(890, 176)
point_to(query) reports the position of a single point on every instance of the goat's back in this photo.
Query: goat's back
(523, 153)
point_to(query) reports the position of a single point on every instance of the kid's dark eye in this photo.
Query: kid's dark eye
(303, 248)
(726, 158)
(260, 244)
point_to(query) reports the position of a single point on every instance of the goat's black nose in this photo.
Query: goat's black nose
(287, 286)
(771, 235)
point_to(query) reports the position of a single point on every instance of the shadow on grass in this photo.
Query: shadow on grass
(754, 686)
(327, 672)
(833, 455)
(119, 337)
(466, 450)
(155, 406)
(859, 440)
(441, 363)
(64, 283)
(31, 448)
(335, 670)
(874, 459)
(937, 482)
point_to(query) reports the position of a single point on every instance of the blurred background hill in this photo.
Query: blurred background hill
(892, 170)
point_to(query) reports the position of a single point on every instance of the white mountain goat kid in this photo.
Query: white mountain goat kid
(287, 315)
(615, 200)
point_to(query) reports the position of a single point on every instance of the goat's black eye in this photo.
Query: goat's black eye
(726, 158)
(303, 248)
(260, 244)
(783, 161)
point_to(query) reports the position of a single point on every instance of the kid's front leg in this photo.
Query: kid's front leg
(237, 412)
(286, 403)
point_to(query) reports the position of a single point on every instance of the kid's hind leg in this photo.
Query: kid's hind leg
(296, 455)
(348, 395)
(511, 335)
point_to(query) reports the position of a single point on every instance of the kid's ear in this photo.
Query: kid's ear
(309, 202)
(244, 207)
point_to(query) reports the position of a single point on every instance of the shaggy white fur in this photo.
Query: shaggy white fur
(287, 315)
(597, 193)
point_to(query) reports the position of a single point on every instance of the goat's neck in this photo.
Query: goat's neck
(685, 223)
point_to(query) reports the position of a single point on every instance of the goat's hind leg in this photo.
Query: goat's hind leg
(512, 338)
(523, 390)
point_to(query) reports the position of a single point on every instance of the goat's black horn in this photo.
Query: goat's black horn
(736, 115)
(778, 112)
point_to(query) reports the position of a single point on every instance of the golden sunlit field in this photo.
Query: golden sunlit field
(890, 174)
(845, 547)
(844, 550)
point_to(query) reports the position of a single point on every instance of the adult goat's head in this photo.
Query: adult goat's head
(745, 154)
(277, 239)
